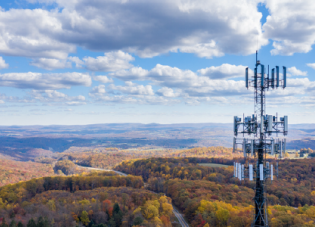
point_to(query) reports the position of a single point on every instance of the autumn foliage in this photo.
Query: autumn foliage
(190, 185)
(14, 171)
(110, 206)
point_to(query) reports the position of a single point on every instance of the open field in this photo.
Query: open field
(212, 165)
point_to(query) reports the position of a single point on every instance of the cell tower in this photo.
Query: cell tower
(257, 140)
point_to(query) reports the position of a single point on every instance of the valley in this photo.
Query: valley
(50, 184)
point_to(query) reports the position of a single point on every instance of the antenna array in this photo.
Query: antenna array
(258, 132)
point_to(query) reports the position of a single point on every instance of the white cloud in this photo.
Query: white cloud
(291, 26)
(112, 61)
(78, 63)
(297, 86)
(223, 71)
(131, 93)
(194, 101)
(103, 79)
(33, 33)
(41, 81)
(296, 72)
(140, 99)
(167, 92)
(51, 64)
(135, 73)
(292, 100)
(75, 103)
(205, 28)
(132, 89)
(312, 65)
(98, 90)
(3, 65)
(188, 81)
(196, 88)
(157, 100)
(114, 99)
(50, 96)
(47, 97)
(4, 98)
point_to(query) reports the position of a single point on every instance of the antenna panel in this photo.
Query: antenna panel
(273, 78)
(271, 172)
(261, 170)
(251, 172)
(285, 124)
(246, 77)
(239, 168)
(252, 148)
(284, 76)
(262, 74)
(270, 117)
(272, 147)
(235, 126)
(278, 76)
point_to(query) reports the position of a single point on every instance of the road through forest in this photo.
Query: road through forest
(175, 211)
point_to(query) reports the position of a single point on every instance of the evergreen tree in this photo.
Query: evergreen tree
(112, 222)
(12, 214)
(116, 208)
(43, 222)
(137, 221)
(12, 224)
(91, 224)
(20, 224)
(99, 225)
(117, 214)
(31, 223)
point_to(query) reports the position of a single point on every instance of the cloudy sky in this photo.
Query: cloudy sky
(157, 61)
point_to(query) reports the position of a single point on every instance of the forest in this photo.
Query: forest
(190, 185)
(207, 195)
(110, 157)
(15, 171)
(92, 200)
(66, 163)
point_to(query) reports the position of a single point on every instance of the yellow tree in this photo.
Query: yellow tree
(84, 218)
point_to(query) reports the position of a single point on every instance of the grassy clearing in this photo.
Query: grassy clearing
(212, 165)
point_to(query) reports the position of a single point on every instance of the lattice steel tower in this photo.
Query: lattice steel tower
(257, 141)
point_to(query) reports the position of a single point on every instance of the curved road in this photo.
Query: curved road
(107, 170)
(175, 211)
(180, 218)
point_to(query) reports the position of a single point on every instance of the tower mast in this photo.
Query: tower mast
(262, 127)
(261, 218)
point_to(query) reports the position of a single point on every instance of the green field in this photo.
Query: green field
(212, 165)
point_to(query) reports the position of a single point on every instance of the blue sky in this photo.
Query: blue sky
(87, 62)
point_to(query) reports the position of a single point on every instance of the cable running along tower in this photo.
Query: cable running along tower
(257, 137)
